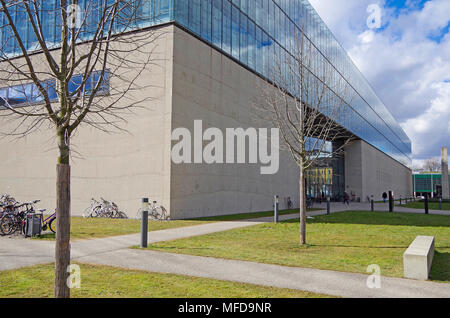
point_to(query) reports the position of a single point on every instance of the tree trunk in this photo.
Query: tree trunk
(62, 249)
(302, 208)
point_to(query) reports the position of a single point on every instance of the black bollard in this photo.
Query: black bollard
(427, 211)
(391, 201)
(144, 223)
(372, 205)
(275, 208)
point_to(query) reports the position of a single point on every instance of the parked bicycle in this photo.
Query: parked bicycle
(156, 212)
(103, 209)
(50, 223)
(6, 199)
(13, 218)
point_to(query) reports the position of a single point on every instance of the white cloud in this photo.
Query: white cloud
(407, 69)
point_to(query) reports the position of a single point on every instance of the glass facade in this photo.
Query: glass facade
(147, 13)
(428, 183)
(255, 33)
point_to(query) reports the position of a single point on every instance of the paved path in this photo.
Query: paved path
(114, 251)
(16, 252)
(312, 280)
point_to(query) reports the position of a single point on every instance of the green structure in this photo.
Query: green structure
(428, 183)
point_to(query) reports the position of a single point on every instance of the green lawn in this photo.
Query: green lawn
(348, 241)
(431, 205)
(92, 228)
(111, 282)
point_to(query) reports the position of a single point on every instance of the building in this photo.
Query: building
(213, 55)
(427, 183)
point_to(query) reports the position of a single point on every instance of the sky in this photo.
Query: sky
(406, 60)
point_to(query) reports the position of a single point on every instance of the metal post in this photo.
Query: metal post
(372, 205)
(275, 208)
(144, 223)
(328, 205)
(400, 200)
(440, 204)
(427, 211)
(406, 200)
(391, 201)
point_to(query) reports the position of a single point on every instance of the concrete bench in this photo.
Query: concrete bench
(418, 258)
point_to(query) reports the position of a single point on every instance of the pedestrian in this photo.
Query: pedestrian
(385, 197)
(346, 198)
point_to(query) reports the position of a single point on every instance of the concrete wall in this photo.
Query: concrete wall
(211, 87)
(122, 166)
(368, 172)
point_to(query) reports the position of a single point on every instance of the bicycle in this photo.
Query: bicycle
(156, 212)
(92, 210)
(13, 219)
(104, 209)
(6, 199)
(111, 210)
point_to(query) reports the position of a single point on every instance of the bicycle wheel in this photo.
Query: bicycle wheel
(87, 213)
(138, 214)
(8, 224)
(97, 212)
(52, 225)
(121, 215)
(161, 213)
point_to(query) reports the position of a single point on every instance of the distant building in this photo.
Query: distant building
(428, 183)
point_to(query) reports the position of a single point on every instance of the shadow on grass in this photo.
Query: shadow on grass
(45, 236)
(249, 216)
(440, 270)
(381, 218)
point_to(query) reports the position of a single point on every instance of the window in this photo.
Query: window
(217, 23)
(21, 95)
(235, 32)
(194, 16)
(226, 30)
(251, 45)
(243, 40)
(162, 9)
(206, 20)
(182, 12)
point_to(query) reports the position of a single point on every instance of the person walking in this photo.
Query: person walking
(385, 197)
(346, 198)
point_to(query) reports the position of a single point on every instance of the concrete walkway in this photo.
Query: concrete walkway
(114, 251)
(312, 280)
(17, 252)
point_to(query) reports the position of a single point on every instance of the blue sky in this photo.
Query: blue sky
(407, 61)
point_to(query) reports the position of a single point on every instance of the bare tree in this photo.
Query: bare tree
(308, 102)
(76, 65)
(432, 165)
